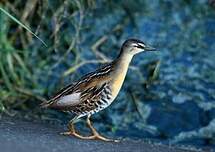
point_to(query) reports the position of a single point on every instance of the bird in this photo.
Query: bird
(96, 90)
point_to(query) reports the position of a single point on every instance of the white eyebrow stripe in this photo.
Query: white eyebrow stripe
(135, 45)
(141, 44)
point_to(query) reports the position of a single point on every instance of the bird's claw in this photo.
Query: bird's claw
(92, 137)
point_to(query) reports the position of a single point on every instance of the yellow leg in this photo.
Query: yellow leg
(73, 132)
(72, 129)
(95, 135)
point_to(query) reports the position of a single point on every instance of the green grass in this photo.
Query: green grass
(32, 63)
(21, 56)
(13, 68)
(21, 24)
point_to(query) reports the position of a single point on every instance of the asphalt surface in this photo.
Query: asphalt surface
(25, 136)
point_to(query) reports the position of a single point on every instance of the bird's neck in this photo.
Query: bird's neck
(123, 61)
(119, 72)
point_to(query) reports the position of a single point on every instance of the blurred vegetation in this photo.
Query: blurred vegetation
(176, 84)
(31, 71)
(25, 63)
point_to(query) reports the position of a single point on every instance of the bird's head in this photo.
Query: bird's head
(134, 46)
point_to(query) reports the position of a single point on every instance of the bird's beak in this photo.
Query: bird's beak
(149, 48)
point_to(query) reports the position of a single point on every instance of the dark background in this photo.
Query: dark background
(168, 96)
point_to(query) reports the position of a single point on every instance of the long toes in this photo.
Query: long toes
(95, 136)
(84, 137)
(105, 139)
(102, 138)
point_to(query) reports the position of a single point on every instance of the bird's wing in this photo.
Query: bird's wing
(71, 94)
(87, 99)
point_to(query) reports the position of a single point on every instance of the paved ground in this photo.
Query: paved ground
(24, 136)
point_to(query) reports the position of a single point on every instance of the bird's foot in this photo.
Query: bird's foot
(95, 135)
(100, 137)
(73, 133)
(92, 137)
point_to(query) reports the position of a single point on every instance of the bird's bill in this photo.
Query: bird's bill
(149, 48)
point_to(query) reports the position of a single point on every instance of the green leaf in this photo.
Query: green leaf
(21, 24)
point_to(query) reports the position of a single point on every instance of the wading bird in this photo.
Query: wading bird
(96, 90)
